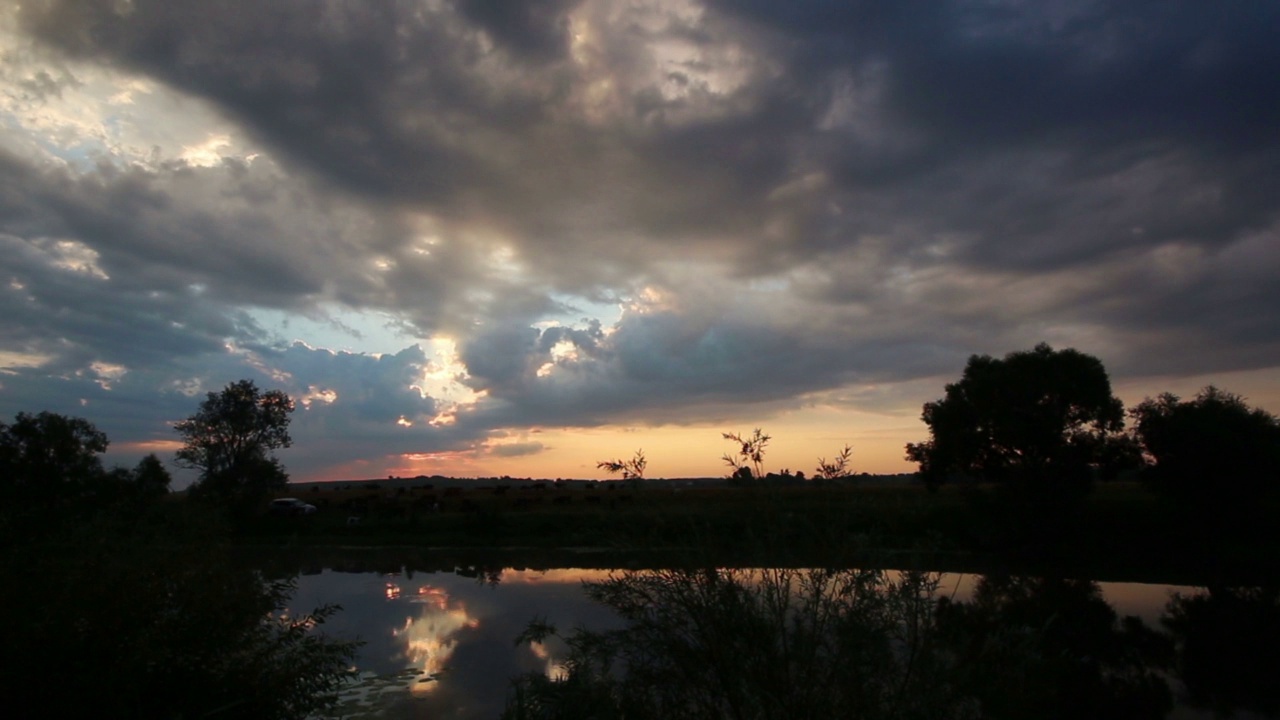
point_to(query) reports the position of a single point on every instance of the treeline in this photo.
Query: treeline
(1041, 427)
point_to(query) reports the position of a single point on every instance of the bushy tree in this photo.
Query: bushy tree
(49, 456)
(1212, 452)
(151, 477)
(1040, 422)
(230, 441)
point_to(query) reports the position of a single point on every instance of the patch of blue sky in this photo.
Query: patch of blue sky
(81, 156)
(575, 309)
(338, 330)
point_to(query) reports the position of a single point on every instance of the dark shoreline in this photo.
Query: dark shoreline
(1120, 533)
(312, 559)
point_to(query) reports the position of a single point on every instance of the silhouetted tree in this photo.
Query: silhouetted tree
(49, 456)
(1038, 422)
(1213, 453)
(151, 477)
(230, 439)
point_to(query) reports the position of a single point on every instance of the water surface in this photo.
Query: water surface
(442, 645)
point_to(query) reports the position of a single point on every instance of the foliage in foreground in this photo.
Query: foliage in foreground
(126, 605)
(846, 643)
(1228, 642)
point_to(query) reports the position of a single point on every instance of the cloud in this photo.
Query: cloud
(508, 450)
(788, 201)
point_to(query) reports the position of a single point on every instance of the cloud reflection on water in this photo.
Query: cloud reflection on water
(430, 638)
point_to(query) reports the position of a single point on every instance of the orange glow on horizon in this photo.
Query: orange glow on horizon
(149, 446)
(800, 437)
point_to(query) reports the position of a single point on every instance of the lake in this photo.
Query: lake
(442, 644)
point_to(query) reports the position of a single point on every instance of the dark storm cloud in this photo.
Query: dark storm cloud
(829, 193)
(404, 103)
(536, 29)
(672, 367)
(1033, 106)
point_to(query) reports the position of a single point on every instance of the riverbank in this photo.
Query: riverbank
(1121, 532)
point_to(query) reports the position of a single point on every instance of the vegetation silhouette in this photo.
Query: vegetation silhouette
(714, 643)
(631, 470)
(774, 643)
(1054, 648)
(1038, 425)
(1227, 643)
(1216, 457)
(1036, 422)
(748, 461)
(230, 440)
(135, 601)
(50, 458)
(838, 468)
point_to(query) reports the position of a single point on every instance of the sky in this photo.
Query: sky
(480, 238)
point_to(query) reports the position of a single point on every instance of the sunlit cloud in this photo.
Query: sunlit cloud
(10, 359)
(317, 395)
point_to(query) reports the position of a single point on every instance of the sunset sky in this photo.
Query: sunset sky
(477, 238)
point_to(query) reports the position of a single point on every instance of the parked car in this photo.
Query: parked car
(290, 506)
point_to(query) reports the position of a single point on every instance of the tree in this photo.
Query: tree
(230, 439)
(49, 458)
(150, 476)
(1213, 452)
(1040, 422)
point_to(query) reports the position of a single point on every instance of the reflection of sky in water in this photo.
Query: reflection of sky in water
(430, 636)
(454, 634)
(440, 645)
